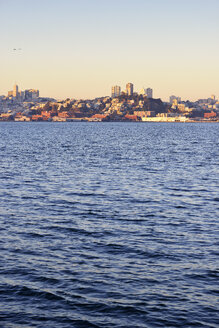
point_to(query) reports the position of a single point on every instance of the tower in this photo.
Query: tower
(129, 89)
(15, 91)
(149, 93)
(116, 91)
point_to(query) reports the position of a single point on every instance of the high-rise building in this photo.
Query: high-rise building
(22, 95)
(149, 93)
(31, 94)
(15, 91)
(129, 89)
(116, 91)
(28, 95)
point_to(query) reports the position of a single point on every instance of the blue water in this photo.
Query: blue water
(109, 225)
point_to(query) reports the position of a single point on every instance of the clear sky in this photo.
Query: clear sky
(80, 48)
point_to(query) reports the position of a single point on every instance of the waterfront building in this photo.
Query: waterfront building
(129, 89)
(149, 93)
(144, 113)
(116, 91)
(165, 117)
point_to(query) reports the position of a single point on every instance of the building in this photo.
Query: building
(144, 113)
(22, 95)
(174, 103)
(149, 93)
(181, 107)
(129, 89)
(116, 91)
(27, 95)
(31, 94)
(15, 91)
(142, 92)
(173, 98)
(210, 115)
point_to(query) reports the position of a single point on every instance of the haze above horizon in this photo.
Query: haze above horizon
(80, 49)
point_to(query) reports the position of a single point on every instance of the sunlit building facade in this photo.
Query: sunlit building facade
(15, 91)
(142, 92)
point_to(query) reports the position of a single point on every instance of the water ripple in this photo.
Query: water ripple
(109, 225)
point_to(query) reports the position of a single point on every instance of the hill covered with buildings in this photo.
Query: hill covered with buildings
(128, 105)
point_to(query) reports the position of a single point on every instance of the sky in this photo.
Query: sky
(79, 49)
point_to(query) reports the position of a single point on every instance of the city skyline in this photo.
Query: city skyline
(128, 105)
(79, 50)
(17, 94)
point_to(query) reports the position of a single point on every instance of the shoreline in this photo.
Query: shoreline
(84, 121)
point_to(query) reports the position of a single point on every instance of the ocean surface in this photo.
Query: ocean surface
(109, 225)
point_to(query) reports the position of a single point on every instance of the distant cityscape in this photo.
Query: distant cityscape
(126, 105)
